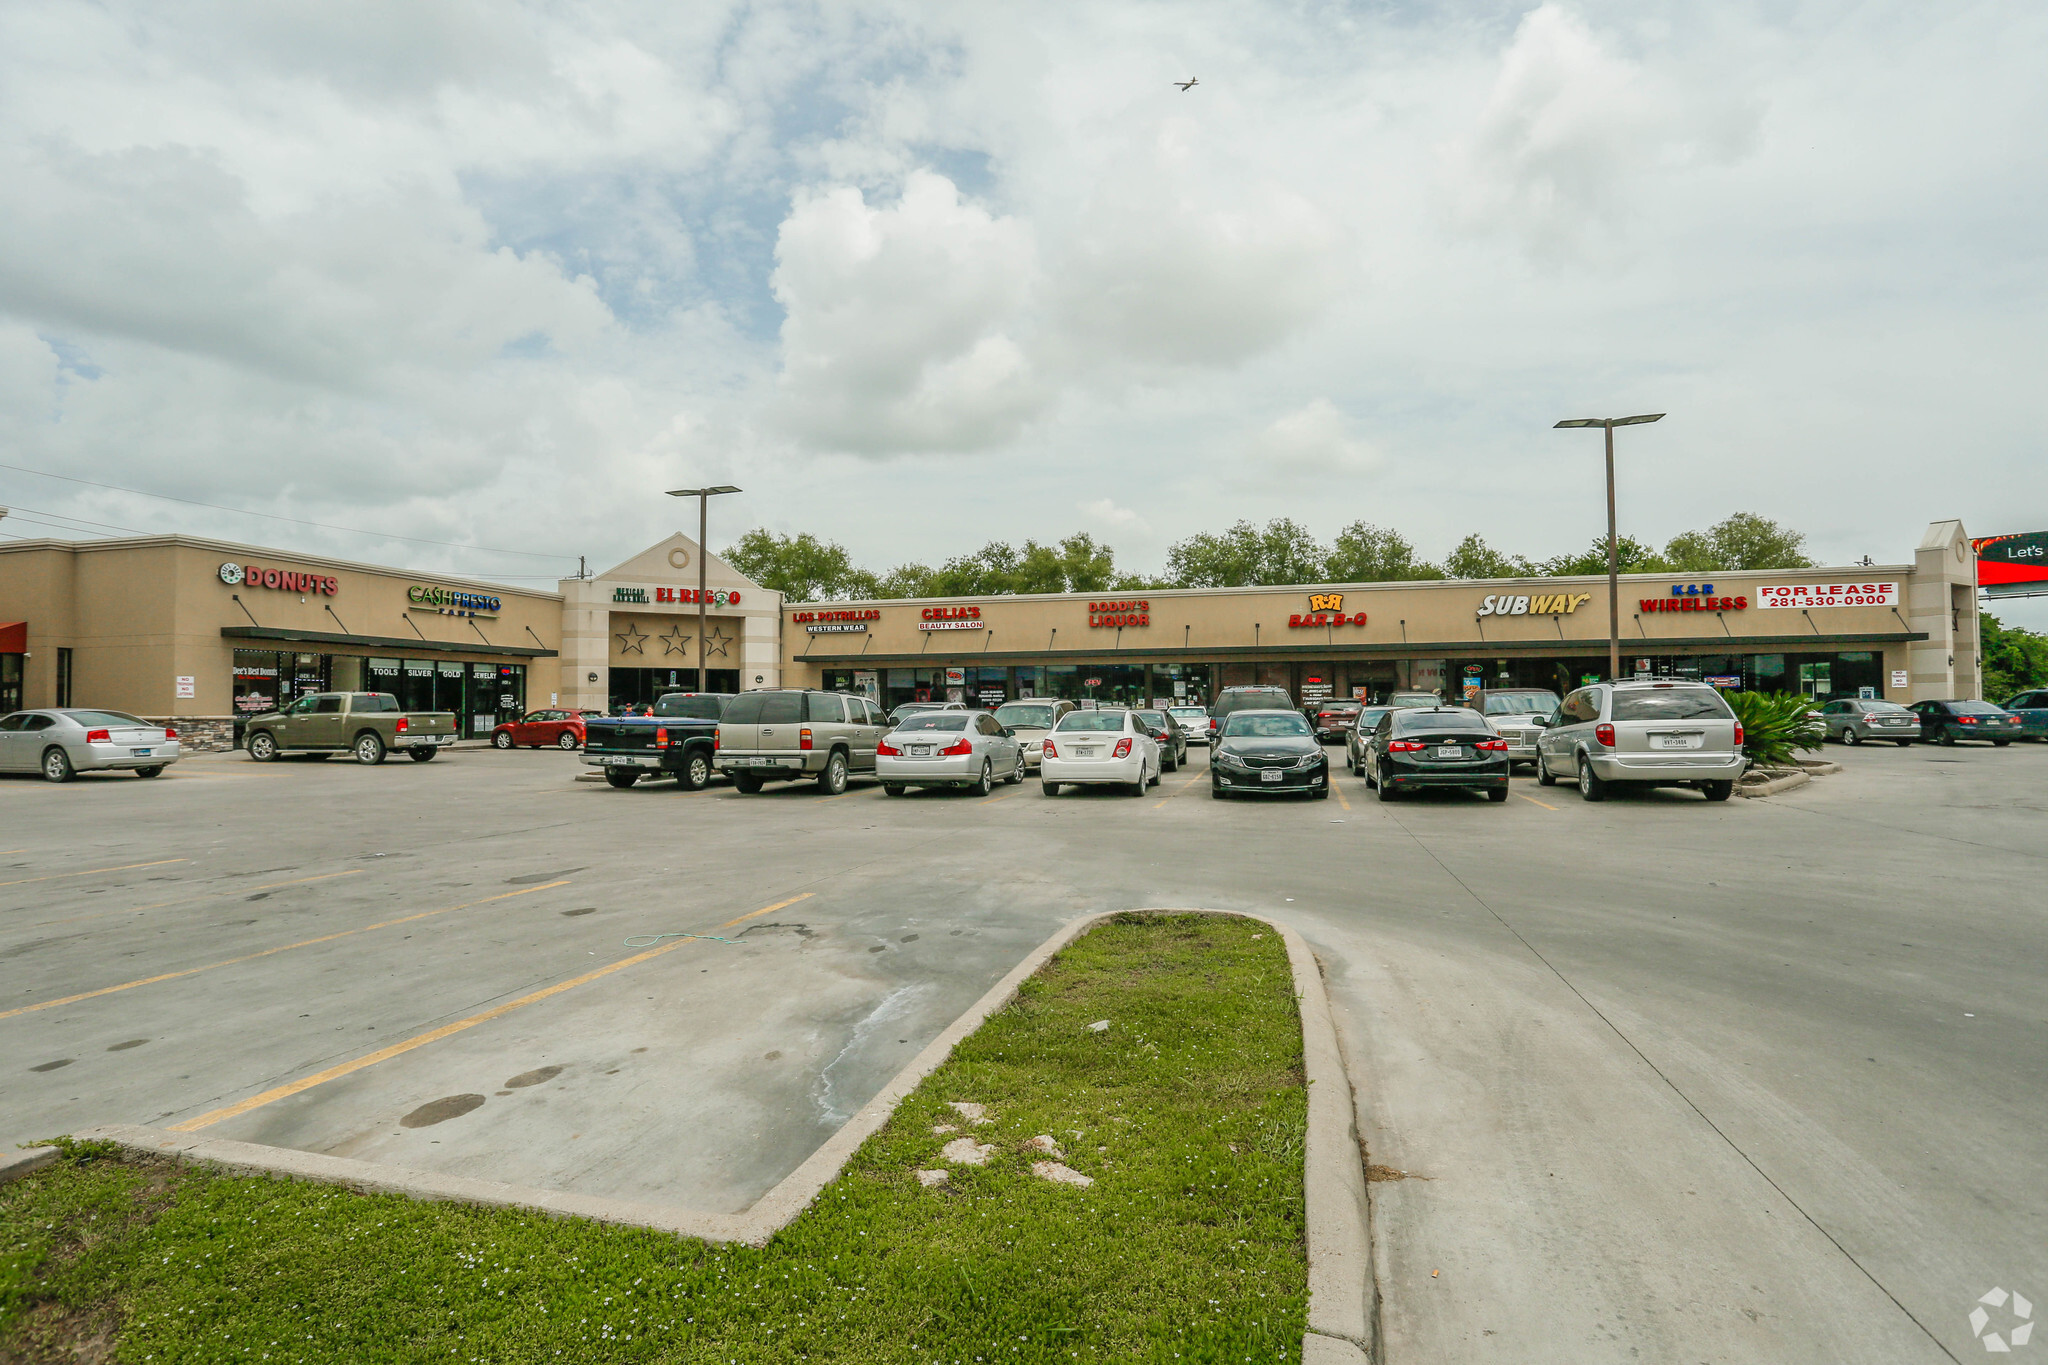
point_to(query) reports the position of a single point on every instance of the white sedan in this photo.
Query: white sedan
(1098, 746)
(948, 749)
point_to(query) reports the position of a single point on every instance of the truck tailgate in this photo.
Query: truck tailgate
(430, 722)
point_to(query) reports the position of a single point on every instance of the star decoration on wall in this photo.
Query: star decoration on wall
(715, 643)
(675, 642)
(631, 640)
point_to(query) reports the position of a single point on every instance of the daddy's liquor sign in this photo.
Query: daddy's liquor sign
(1116, 615)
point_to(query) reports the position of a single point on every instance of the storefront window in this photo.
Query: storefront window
(256, 682)
(10, 682)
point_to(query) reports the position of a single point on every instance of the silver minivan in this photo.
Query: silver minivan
(1650, 734)
(790, 734)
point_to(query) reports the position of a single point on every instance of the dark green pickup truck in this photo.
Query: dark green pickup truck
(366, 724)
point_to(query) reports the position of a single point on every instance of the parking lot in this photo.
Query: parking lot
(1748, 1081)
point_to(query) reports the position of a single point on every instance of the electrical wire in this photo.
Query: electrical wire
(296, 521)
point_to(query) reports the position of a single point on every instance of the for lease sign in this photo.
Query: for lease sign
(1828, 595)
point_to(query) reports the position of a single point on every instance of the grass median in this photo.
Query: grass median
(1187, 1114)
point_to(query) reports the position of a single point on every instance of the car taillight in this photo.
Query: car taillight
(1605, 734)
(661, 736)
(1123, 749)
(1403, 746)
(401, 728)
(716, 735)
(1496, 744)
(957, 748)
(1738, 734)
(803, 738)
(887, 750)
(1050, 750)
(98, 737)
(169, 733)
(1960, 720)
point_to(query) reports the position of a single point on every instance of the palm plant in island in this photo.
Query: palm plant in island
(1775, 726)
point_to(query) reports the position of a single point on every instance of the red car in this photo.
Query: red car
(542, 729)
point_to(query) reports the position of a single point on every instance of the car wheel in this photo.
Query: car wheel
(567, 740)
(503, 740)
(1718, 790)
(1138, 788)
(1544, 777)
(369, 749)
(2000, 743)
(1217, 793)
(1904, 743)
(621, 778)
(153, 770)
(1591, 787)
(1050, 788)
(1016, 777)
(57, 766)
(696, 773)
(262, 747)
(1947, 739)
(986, 783)
(1384, 788)
(1365, 772)
(1496, 794)
(1849, 737)
(892, 788)
(747, 783)
(832, 781)
(422, 755)
(1323, 792)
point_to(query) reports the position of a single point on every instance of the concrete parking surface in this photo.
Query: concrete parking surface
(1754, 1081)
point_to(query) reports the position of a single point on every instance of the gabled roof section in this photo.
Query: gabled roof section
(675, 561)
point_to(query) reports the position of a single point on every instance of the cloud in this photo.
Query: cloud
(1315, 438)
(1106, 511)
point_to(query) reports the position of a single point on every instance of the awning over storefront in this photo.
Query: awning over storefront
(13, 637)
(397, 644)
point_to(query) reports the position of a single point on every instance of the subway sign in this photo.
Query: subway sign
(1541, 604)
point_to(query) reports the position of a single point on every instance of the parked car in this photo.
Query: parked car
(1513, 712)
(1173, 741)
(1945, 722)
(679, 740)
(1195, 721)
(61, 742)
(1855, 719)
(1436, 746)
(1359, 735)
(1234, 699)
(1653, 734)
(789, 734)
(541, 730)
(1101, 746)
(1331, 719)
(967, 749)
(2032, 709)
(911, 708)
(1267, 751)
(1030, 718)
(366, 724)
(1405, 699)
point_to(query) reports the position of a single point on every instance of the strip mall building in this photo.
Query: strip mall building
(201, 632)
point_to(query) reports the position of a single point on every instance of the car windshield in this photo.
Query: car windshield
(1883, 707)
(933, 720)
(1961, 708)
(1260, 725)
(1019, 716)
(1522, 704)
(92, 718)
(1253, 699)
(1090, 720)
(1186, 712)
(1370, 716)
(1402, 700)
(686, 706)
(1677, 703)
(373, 701)
(1416, 719)
(1338, 708)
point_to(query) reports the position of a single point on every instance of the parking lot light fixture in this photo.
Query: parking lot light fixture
(703, 497)
(1613, 569)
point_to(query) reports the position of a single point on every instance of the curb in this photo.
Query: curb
(16, 1164)
(1774, 786)
(1818, 767)
(1342, 1307)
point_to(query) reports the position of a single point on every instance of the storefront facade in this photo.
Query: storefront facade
(1904, 632)
(205, 633)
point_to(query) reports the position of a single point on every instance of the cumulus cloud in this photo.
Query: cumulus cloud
(1106, 512)
(1314, 438)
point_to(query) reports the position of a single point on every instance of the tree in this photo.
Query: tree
(1371, 554)
(1246, 556)
(1630, 556)
(802, 567)
(905, 580)
(1742, 541)
(2015, 659)
(1474, 558)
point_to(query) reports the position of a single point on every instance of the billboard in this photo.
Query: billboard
(2012, 564)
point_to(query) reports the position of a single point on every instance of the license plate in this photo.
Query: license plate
(1086, 753)
(142, 753)
(1450, 751)
(1269, 776)
(1674, 741)
(920, 751)
(613, 761)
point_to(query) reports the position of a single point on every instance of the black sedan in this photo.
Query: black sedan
(1267, 751)
(1440, 746)
(1945, 722)
(1173, 740)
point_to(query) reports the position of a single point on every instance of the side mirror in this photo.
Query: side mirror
(1541, 722)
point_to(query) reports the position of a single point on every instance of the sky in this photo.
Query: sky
(916, 277)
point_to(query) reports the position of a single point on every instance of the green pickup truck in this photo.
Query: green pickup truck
(366, 724)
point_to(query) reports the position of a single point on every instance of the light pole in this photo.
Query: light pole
(703, 497)
(1613, 567)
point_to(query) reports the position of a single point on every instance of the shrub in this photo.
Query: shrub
(1775, 725)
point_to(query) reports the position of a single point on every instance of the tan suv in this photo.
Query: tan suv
(789, 734)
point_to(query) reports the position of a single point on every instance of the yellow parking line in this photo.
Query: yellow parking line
(767, 909)
(268, 952)
(1338, 788)
(1534, 802)
(1178, 789)
(214, 1116)
(841, 797)
(193, 900)
(60, 876)
(991, 800)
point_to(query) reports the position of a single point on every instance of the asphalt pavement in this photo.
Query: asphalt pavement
(1656, 1079)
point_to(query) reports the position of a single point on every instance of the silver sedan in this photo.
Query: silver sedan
(61, 742)
(968, 749)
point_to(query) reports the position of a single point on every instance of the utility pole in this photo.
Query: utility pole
(703, 497)
(1613, 544)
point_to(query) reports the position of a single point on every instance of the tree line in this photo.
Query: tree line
(1282, 552)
